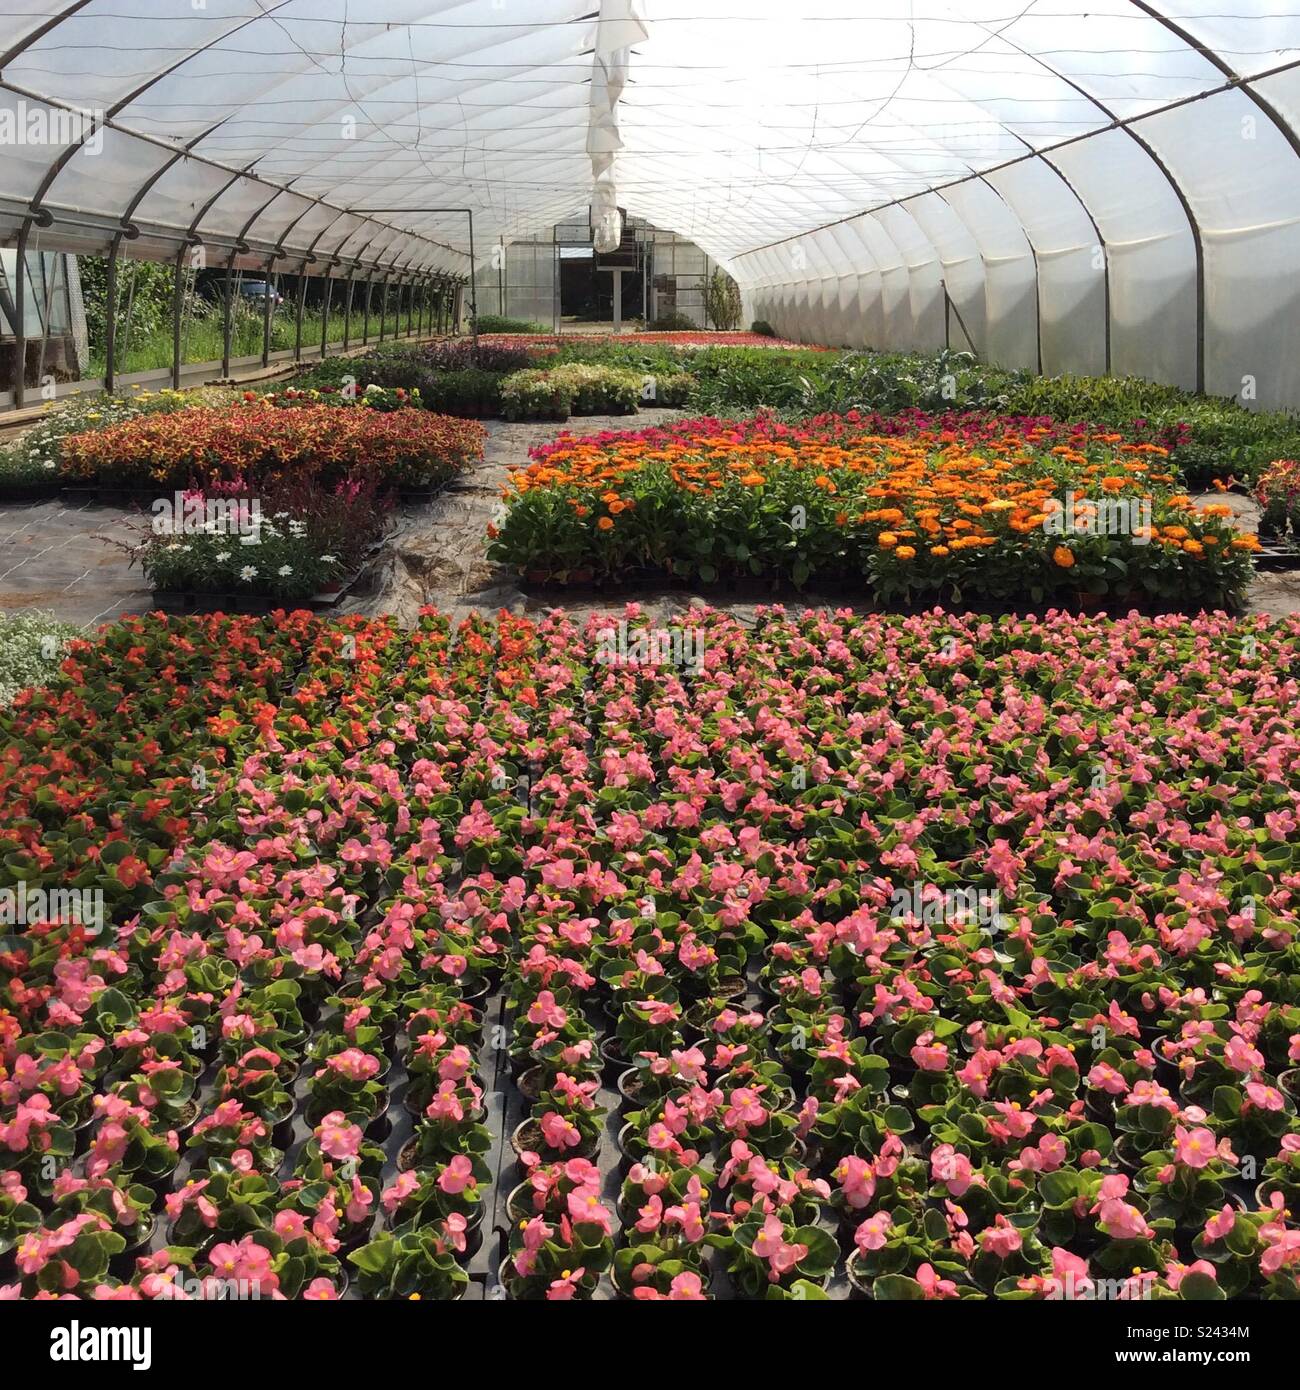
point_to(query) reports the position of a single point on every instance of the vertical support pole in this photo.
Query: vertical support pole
(383, 306)
(178, 302)
(227, 316)
(266, 312)
(299, 310)
(473, 298)
(20, 314)
(110, 322)
(325, 314)
(365, 330)
(410, 309)
(347, 312)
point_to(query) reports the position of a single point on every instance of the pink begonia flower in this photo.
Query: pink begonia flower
(689, 1218)
(874, 1232)
(584, 1205)
(951, 1168)
(565, 1287)
(929, 1055)
(650, 1216)
(321, 1288)
(857, 1180)
(354, 1064)
(1122, 1221)
(338, 1137)
(686, 1287)
(1070, 1276)
(934, 1287)
(360, 1200)
(1221, 1223)
(1001, 1239)
(1264, 1097)
(558, 1132)
(1193, 1148)
(457, 1176)
(1241, 1056)
(1104, 1077)
(290, 1225)
(392, 1197)
(544, 1010)
(1176, 1272)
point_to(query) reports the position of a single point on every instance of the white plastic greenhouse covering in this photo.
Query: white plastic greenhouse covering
(1110, 186)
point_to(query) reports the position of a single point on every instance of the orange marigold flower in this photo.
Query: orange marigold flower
(605, 524)
(906, 552)
(1063, 557)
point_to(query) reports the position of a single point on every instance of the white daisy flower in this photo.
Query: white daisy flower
(248, 572)
(284, 570)
(222, 556)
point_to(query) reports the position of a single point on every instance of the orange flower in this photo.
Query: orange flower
(905, 552)
(1063, 557)
(605, 524)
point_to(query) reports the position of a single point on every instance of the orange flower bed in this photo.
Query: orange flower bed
(969, 507)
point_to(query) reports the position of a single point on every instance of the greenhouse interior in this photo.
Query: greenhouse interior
(650, 650)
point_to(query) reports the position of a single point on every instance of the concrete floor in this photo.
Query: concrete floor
(70, 560)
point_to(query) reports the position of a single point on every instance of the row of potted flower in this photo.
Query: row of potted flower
(741, 891)
(911, 508)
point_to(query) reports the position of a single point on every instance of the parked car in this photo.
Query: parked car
(256, 291)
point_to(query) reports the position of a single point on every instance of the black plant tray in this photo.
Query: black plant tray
(106, 496)
(30, 492)
(411, 495)
(1277, 555)
(257, 605)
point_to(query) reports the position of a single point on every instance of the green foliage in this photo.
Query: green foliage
(672, 323)
(498, 323)
(722, 301)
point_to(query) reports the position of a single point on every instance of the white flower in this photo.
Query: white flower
(175, 545)
(329, 559)
(49, 463)
(248, 572)
(253, 538)
(222, 556)
(284, 570)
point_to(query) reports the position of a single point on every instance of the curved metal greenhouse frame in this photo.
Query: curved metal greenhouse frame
(1113, 191)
